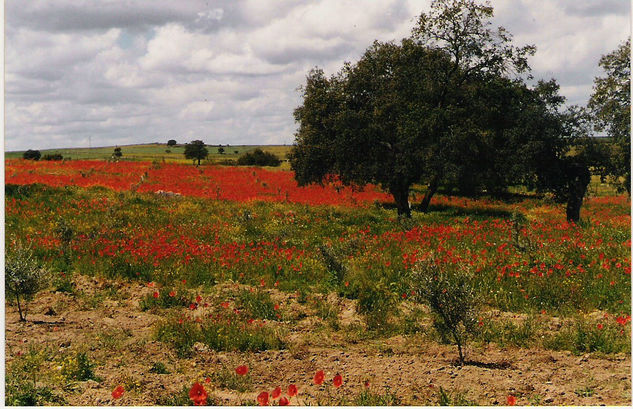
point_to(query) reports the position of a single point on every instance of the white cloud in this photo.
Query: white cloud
(227, 71)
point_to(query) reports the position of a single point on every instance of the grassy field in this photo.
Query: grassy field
(156, 293)
(158, 151)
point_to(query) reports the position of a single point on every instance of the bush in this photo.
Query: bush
(171, 142)
(24, 275)
(32, 155)
(258, 158)
(452, 300)
(53, 156)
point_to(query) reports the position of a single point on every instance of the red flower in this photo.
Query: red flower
(276, 392)
(319, 377)
(172, 294)
(276, 307)
(207, 380)
(292, 390)
(225, 304)
(150, 284)
(198, 394)
(600, 326)
(511, 400)
(241, 370)
(155, 295)
(198, 299)
(117, 392)
(262, 283)
(262, 399)
(192, 306)
(283, 401)
(366, 384)
(337, 381)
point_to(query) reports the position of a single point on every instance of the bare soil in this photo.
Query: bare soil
(410, 367)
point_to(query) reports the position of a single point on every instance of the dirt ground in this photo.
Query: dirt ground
(409, 367)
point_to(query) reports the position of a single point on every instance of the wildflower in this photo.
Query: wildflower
(192, 306)
(172, 293)
(337, 381)
(262, 283)
(207, 380)
(198, 394)
(241, 370)
(284, 401)
(600, 326)
(276, 392)
(262, 399)
(117, 392)
(319, 377)
(225, 304)
(511, 400)
(292, 390)
(276, 307)
(155, 295)
(366, 384)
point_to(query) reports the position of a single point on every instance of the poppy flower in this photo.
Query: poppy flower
(276, 307)
(155, 295)
(198, 299)
(241, 370)
(172, 294)
(192, 306)
(276, 392)
(284, 401)
(600, 326)
(319, 377)
(511, 400)
(225, 304)
(198, 394)
(262, 283)
(117, 392)
(207, 380)
(366, 384)
(292, 390)
(262, 399)
(337, 381)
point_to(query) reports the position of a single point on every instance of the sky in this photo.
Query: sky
(116, 72)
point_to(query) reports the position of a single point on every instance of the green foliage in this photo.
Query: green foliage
(227, 378)
(181, 298)
(455, 398)
(224, 335)
(159, 368)
(583, 337)
(21, 382)
(196, 150)
(79, 368)
(32, 155)
(258, 158)
(452, 299)
(368, 398)
(256, 304)
(171, 142)
(24, 274)
(52, 156)
(610, 104)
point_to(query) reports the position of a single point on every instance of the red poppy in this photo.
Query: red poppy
(262, 283)
(192, 306)
(511, 400)
(225, 304)
(276, 392)
(198, 394)
(319, 377)
(117, 392)
(241, 370)
(366, 384)
(262, 399)
(184, 281)
(172, 294)
(284, 401)
(155, 295)
(337, 381)
(292, 390)
(198, 299)
(600, 326)
(276, 307)
(150, 284)
(207, 380)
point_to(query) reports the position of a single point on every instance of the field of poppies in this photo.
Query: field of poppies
(175, 285)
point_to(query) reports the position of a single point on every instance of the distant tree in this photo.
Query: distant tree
(117, 153)
(236, 152)
(220, 150)
(610, 104)
(196, 150)
(258, 158)
(32, 155)
(171, 142)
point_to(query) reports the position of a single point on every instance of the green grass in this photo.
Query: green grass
(156, 151)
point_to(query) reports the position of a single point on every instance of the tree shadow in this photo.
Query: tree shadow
(466, 211)
(488, 365)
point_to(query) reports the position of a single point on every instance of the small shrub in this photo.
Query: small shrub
(452, 300)
(179, 298)
(376, 301)
(24, 275)
(583, 337)
(78, 368)
(258, 158)
(456, 398)
(158, 368)
(54, 156)
(257, 304)
(368, 398)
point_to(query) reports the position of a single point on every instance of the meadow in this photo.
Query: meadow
(176, 285)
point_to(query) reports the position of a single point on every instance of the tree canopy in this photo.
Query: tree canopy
(611, 105)
(196, 150)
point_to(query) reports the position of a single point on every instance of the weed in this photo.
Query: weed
(257, 304)
(456, 398)
(227, 378)
(167, 298)
(368, 398)
(79, 368)
(159, 368)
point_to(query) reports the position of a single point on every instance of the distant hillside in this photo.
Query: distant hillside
(159, 151)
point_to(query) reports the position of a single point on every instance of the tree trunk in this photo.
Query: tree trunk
(577, 188)
(22, 318)
(400, 195)
(435, 183)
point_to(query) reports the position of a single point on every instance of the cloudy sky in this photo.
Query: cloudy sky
(227, 71)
